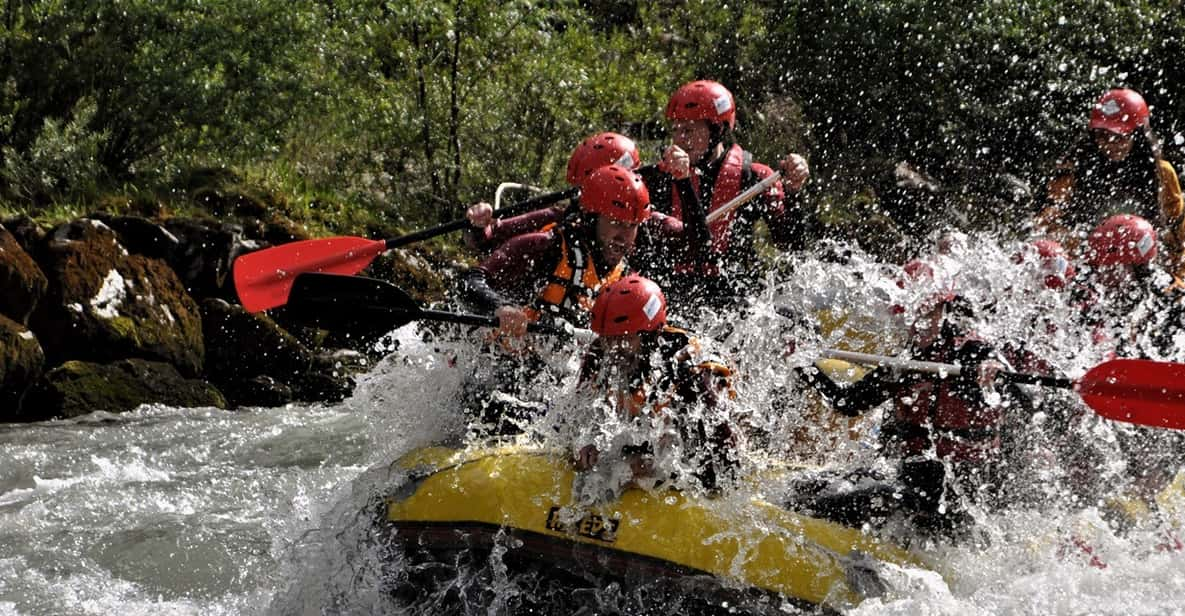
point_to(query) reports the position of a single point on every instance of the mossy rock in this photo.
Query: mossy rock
(23, 282)
(21, 363)
(205, 254)
(140, 235)
(27, 233)
(103, 304)
(413, 270)
(242, 345)
(76, 388)
(258, 363)
(281, 231)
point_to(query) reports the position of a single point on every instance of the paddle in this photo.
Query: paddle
(1138, 391)
(744, 197)
(264, 278)
(368, 306)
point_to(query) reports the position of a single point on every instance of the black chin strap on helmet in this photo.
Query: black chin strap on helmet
(718, 134)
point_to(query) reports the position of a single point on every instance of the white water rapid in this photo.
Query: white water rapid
(270, 511)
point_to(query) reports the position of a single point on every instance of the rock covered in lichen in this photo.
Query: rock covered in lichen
(103, 304)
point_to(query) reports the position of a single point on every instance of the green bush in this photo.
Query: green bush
(166, 77)
(62, 161)
(397, 114)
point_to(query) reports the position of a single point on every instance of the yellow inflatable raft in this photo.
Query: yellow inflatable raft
(521, 498)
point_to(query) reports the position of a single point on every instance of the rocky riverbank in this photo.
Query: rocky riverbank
(110, 312)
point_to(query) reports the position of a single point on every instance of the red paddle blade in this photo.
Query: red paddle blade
(264, 278)
(1139, 391)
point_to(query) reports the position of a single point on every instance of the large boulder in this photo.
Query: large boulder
(21, 362)
(20, 278)
(199, 251)
(77, 388)
(411, 269)
(257, 363)
(103, 304)
(242, 345)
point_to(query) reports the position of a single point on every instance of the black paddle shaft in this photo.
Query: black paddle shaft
(521, 207)
(369, 305)
(481, 320)
(1036, 379)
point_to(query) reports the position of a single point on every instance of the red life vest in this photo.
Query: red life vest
(727, 186)
(933, 413)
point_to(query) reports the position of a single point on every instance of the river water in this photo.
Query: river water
(266, 511)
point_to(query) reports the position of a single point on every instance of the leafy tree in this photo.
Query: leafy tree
(165, 76)
(465, 93)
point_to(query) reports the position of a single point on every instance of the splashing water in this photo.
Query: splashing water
(170, 511)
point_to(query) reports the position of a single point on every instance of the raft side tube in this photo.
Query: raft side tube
(742, 542)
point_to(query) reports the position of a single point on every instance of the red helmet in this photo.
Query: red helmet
(599, 150)
(1122, 239)
(1052, 262)
(630, 305)
(616, 192)
(703, 100)
(1119, 111)
(915, 270)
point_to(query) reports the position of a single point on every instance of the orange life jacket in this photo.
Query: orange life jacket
(573, 284)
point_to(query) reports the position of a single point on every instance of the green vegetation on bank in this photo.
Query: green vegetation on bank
(368, 115)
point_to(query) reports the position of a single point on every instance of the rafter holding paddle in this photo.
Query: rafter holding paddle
(264, 278)
(1137, 391)
(745, 197)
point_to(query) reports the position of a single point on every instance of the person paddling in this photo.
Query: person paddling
(702, 116)
(1133, 313)
(1118, 167)
(661, 239)
(556, 272)
(1124, 295)
(659, 382)
(946, 432)
(596, 151)
(549, 276)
